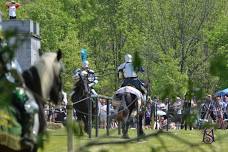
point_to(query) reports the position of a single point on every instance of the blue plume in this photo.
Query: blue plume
(83, 55)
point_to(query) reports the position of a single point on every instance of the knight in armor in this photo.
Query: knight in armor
(129, 76)
(91, 76)
(15, 95)
(85, 71)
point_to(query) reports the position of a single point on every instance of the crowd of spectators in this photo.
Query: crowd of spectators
(216, 109)
(158, 113)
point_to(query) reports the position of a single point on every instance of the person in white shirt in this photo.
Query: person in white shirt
(12, 7)
(103, 113)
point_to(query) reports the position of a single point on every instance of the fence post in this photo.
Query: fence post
(97, 121)
(137, 121)
(167, 127)
(156, 117)
(70, 138)
(90, 118)
(108, 123)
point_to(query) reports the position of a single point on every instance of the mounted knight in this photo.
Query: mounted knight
(126, 71)
(85, 79)
(131, 96)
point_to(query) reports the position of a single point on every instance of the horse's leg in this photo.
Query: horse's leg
(125, 125)
(81, 122)
(86, 128)
(141, 132)
(125, 130)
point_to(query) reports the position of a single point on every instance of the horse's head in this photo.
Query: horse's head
(81, 82)
(44, 78)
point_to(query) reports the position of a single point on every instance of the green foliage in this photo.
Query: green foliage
(185, 140)
(171, 82)
(219, 68)
(218, 39)
(137, 61)
(10, 128)
(168, 34)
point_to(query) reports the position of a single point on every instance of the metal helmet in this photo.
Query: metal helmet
(85, 64)
(128, 58)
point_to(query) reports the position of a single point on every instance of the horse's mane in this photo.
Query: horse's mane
(40, 76)
(79, 93)
(47, 68)
(79, 90)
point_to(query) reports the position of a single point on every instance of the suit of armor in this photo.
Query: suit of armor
(129, 76)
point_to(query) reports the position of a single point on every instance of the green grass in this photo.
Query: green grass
(173, 141)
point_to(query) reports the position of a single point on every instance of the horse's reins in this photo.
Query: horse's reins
(79, 111)
(81, 100)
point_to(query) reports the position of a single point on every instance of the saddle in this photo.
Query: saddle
(127, 89)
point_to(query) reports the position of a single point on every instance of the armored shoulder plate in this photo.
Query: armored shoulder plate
(20, 94)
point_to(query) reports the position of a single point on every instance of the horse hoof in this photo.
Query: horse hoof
(125, 137)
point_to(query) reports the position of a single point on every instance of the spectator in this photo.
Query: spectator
(12, 7)
(148, 115)
(103, 113)
(225, 106)
(163, 122)
(178, 107)
(157, 123)
(219, 111)
(208, 109)
(172, 125)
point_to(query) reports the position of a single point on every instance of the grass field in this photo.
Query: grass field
(173, 141)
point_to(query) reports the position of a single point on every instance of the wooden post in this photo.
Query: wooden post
(97, 117)
(137, 121)
(156, 116)
(70, 138)
(167, 127)
(90, 118)
(107, 119)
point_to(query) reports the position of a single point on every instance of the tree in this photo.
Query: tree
(218, 40)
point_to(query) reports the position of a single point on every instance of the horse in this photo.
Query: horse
(81, 98)
(42, 81)
(125, 101)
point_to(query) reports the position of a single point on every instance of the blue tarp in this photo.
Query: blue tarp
(222, 92)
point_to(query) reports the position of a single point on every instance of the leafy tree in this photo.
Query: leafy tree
(218, 40)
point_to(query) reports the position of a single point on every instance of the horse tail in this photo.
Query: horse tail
(123, 110)
(128, 98)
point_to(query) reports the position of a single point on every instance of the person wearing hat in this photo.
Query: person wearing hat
(12, 7)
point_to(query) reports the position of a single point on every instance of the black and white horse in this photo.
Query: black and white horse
(43, 79)
(125, 101)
